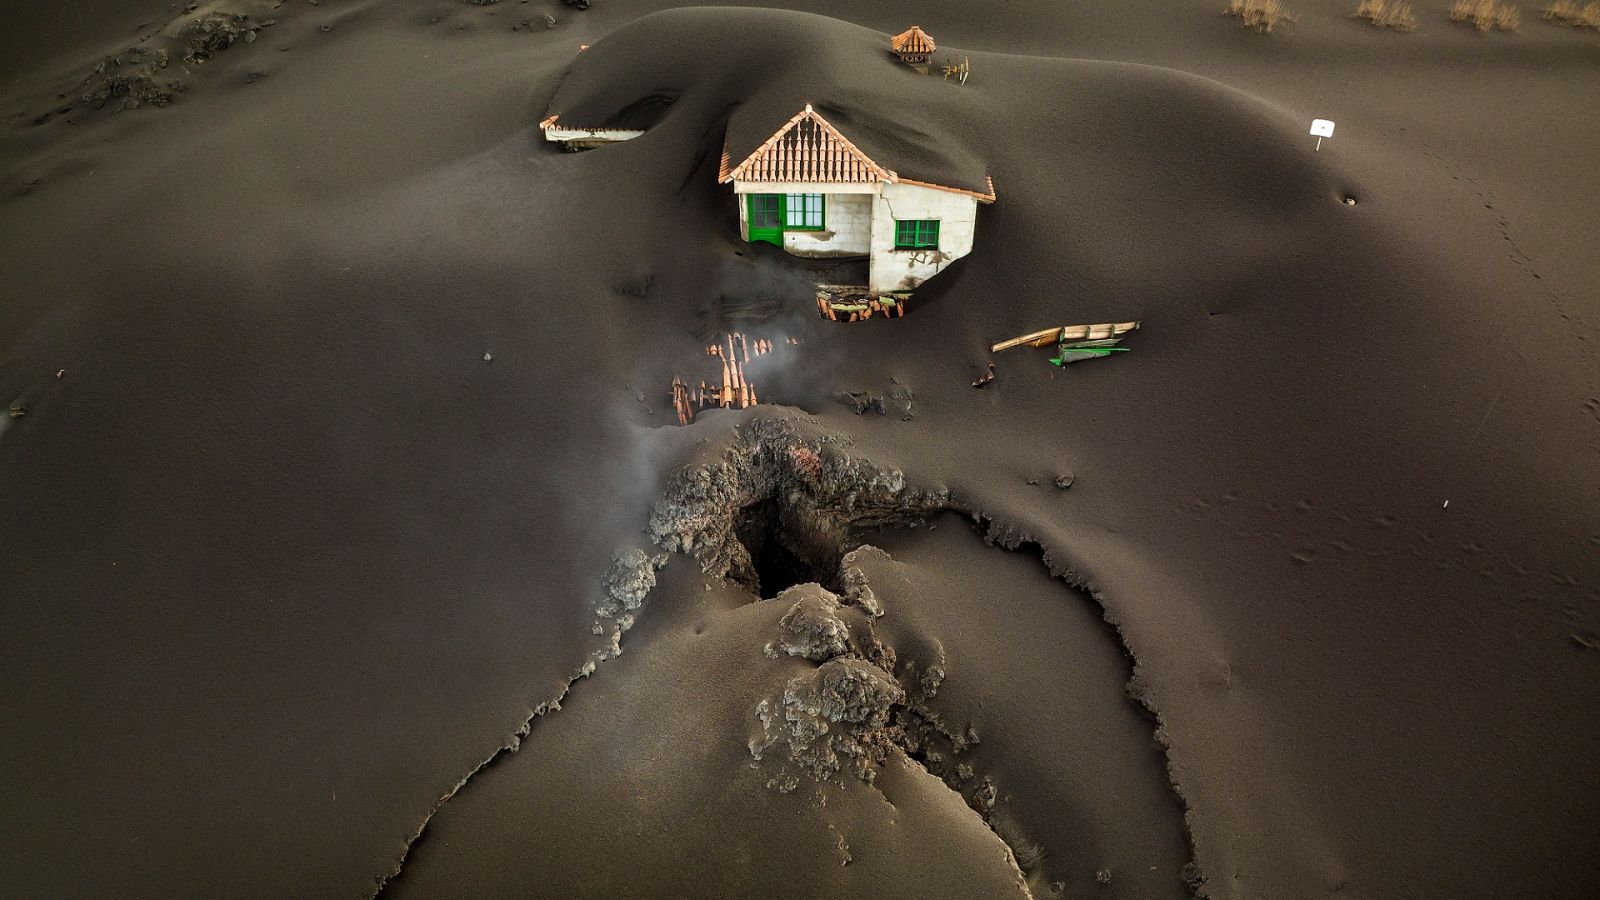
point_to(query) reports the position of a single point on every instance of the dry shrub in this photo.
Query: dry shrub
(1385, 14)
(1486, 14)
(1571, 12)
(1261, 15)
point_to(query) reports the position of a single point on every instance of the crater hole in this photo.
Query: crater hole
(787, 549)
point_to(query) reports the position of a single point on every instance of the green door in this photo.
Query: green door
(766, 218)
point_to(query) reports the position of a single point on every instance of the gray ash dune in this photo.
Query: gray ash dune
(342, 389)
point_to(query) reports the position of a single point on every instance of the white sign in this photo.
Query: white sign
(1322, 128)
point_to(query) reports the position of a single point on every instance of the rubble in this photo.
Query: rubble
(831, 718)
(632, 576)
(813, 627)
(897, 402)
(795, 493)
(215, 32)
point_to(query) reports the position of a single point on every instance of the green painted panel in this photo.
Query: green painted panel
(766, 218)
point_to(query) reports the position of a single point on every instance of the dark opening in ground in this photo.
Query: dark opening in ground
(783, 552)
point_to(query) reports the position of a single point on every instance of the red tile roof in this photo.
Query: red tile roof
(913, 41)
(809, 149)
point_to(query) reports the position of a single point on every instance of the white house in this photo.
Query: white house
(811, 191)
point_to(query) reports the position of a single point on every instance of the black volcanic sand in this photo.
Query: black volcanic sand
(286, 558)
(1080, 784)
(652, 761)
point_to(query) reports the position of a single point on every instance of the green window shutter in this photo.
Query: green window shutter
(916, 234)
(765, 210)
(804, 211)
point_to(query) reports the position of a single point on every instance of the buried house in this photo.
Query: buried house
(811, 190)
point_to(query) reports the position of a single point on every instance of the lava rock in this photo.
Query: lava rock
(858, 692)
(813, 627)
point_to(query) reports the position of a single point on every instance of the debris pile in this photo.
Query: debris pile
(129, 76)
(1074, 343)
(861, 702)
(135, 76)
(833, 716)
(853, 303)
(787, 489)
(736, 391)
(215, 32)
(898, 402)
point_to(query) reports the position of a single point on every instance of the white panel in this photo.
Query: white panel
(893, 269)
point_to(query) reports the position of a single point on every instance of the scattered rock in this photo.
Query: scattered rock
(857, 692)
(632, 576)
(1064, 481)
(129, 76)
(813, 627)
(215, 32)
(856, 589)
(830, 718)
(897, 402)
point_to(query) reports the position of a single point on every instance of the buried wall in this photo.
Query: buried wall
(956, 214)
(847, 229)
(847, 217)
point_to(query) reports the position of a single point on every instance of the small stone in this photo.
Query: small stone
(487, 357)
(1064, 481)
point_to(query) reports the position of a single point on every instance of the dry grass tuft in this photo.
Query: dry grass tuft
(1571, 12)
(1386, 14)
(1486, 14)
(1262, 15)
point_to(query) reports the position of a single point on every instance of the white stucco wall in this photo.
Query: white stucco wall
(860, 222)
(589, 138)
(848, 231)
(892, 269)
(847, 217)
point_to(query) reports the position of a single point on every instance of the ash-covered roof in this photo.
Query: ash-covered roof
(696, 67)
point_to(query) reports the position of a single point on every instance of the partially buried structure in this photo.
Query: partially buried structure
(813, 191)
(810, 190)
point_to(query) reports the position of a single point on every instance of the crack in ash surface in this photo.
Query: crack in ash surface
(1008, 537)
(777, 511)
